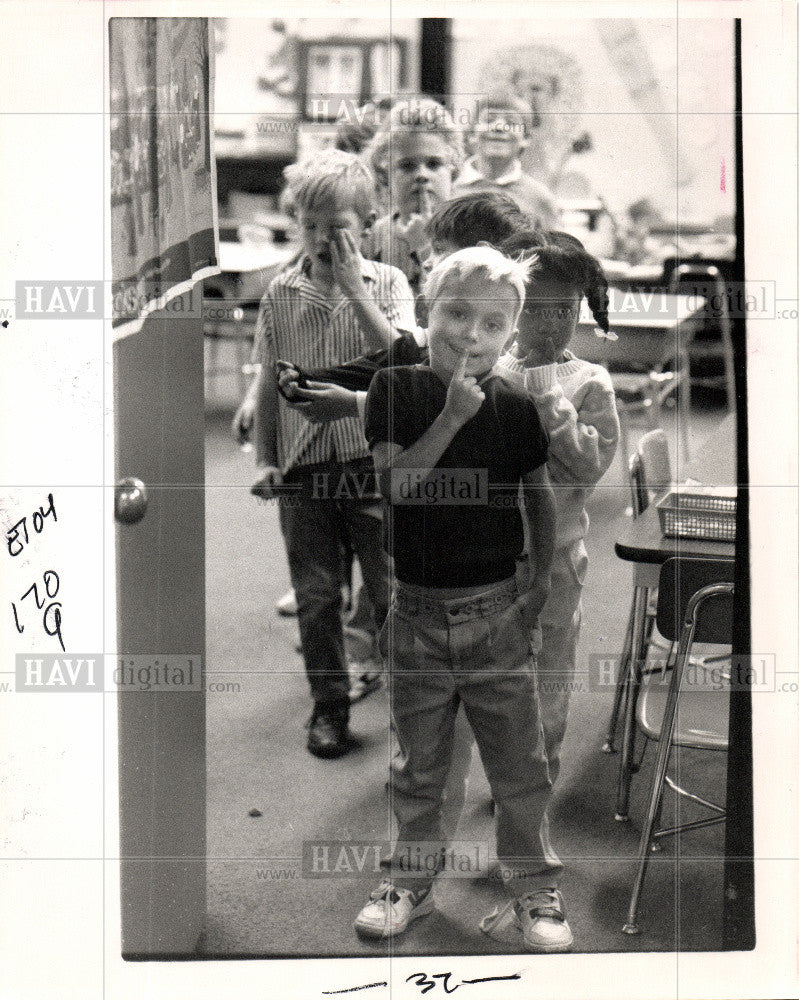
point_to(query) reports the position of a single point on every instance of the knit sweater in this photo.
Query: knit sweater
(577, 407)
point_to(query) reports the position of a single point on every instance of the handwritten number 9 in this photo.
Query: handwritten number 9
(55, 618)
(51, 580)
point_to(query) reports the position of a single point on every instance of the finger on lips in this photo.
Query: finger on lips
(460, 367)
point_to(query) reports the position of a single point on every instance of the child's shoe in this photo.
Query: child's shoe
(328, 731)
(364, 678)
(287, 605)
(390, 910)
(541, 918)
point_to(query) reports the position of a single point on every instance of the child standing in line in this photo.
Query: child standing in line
(488, 216)
(485, 217)
(420, 151)
(321, 312)
(577, 407)
(459, 629)
(501, 135)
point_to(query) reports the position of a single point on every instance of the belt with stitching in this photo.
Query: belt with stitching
(456, 609)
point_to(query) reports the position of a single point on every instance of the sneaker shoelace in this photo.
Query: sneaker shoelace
(552, 908)
(387, 891)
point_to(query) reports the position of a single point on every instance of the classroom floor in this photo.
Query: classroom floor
(259, 904)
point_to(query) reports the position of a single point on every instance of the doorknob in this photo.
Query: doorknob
(130, 500)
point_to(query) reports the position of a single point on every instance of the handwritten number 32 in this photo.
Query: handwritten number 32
(425, 984)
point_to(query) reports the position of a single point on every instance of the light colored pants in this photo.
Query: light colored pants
(560, 630)
(474, 651)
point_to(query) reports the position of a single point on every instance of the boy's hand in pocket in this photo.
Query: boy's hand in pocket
(531, 603)
(269, 476)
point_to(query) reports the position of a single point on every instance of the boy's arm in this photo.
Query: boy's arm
(244, 417)
(583, 441)
(378, 329)
(266, 407)
(321, 402)
(538, 508)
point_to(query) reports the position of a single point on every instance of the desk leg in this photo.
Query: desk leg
(633, 684)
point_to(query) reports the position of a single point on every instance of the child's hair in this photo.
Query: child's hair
(484, 261)
(505, 101)
(356, 128)
(642, 209)
(355, 131)
(418, 114)
(560, 257)
(332, 175)
(483, 217)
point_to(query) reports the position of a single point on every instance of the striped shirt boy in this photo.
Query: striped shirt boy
(298, 323)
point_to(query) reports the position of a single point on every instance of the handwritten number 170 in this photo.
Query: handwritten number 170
(51, 619)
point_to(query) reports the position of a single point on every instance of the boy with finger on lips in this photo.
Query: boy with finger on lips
(459, 629)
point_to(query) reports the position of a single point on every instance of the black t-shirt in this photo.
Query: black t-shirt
(464, 528)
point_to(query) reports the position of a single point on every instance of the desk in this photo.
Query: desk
(649, 327)
(623, 275)
(642, 543)
(232, 299)
(247, 268)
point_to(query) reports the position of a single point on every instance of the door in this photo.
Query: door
(158, 389)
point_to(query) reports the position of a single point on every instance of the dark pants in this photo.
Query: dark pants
(328, 506)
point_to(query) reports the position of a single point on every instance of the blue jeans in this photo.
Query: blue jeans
(328, 505)
(477, 651)
(555, 667)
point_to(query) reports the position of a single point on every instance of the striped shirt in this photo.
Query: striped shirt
(298, 323)
(385, 242)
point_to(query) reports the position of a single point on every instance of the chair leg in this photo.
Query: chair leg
(632, 686)
(684, 404)
(621, 683)
(656, 794)
(624, 433)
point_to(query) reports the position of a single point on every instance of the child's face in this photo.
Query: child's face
(476, 315)
(421, 172)
(320, 227)
(548, 321)
(440, 250)
(500, 135)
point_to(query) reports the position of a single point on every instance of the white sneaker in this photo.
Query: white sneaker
(390, 910)
(365, 678)
(287, 605)
(541, 917)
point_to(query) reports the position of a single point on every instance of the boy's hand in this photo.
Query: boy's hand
(243, 421)
(414, 231)
(269, 476)
(532, 601)
(546, 355)
(347, 264)
(287, 379)
(464, 395)
(324, 401)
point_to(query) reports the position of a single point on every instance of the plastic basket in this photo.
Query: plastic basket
(706, 513)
